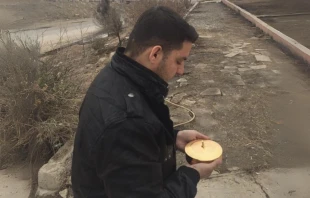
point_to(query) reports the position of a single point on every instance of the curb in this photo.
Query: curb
(292, 45)
(190, 10)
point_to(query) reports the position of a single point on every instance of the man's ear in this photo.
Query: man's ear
(156, 54)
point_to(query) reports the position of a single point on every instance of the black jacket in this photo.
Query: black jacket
(125, 142)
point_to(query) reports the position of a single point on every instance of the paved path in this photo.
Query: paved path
(277, 183)
(253, 99)
(259, 91)
(56, 34)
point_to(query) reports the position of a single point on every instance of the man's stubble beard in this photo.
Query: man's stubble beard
(162, 70)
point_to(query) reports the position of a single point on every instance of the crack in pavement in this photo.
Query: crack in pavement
(261, 186)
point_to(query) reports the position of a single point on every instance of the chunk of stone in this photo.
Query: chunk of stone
(256, 67)
(178, 97)
(228, 70)
(211, 92)
(230, 67)
(183, 84)
(276, 71)
(262, 58)
(244, 69)
(181, 80)
(242, 62)
(63, 193)
(188, 102)
(232, 54)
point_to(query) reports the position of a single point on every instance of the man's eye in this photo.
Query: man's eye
(178, 62)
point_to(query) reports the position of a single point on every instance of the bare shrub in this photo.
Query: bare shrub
(38, 99)
(109, 18)
(135, 9)
(187, 3)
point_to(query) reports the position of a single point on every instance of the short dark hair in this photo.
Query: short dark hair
(159, 26)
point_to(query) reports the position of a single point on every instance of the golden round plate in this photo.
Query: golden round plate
(204, 150)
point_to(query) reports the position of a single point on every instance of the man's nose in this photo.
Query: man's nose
(180, 70)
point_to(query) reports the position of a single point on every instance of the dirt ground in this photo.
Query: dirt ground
(261, 118)
(297, 27)
(15, 182)
(17, 14)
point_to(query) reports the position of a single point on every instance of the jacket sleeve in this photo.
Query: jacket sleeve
(128, 164)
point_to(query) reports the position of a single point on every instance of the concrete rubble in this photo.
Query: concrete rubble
(211, 92)
(53, 176)
(178, 97)
(262, 58)
(258, 67)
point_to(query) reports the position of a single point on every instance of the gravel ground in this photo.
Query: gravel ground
(262, 111)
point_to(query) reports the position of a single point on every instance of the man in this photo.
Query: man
(125, 145)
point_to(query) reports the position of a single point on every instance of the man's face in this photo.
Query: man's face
(173, 64)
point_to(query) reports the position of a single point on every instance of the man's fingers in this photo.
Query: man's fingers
(202, 136)
(218, 162)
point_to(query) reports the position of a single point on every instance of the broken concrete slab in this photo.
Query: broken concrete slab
(240, 83)
(242, 62)
(236, 45)
(237, 80)
(234, 53)
(207, 122)
(258, 67)
(178, 97)
(179, 115)
(237, 77)
(201, 66)
(183, 84)
(276, 71)
(211, 92)
(181, 80)
(244, 69)
(262, 58)
(229, 185)
(188, 102)
(244, 45)
(230, 67)
(228, 70)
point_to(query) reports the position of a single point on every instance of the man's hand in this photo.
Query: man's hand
(206, 169)
(187, 136)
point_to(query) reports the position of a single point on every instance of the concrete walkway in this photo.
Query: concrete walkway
(277, 183)
(251, 74)
(260, 114)
(57, 34)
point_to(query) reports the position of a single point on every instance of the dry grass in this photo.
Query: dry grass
(38, 101)
(109, 19)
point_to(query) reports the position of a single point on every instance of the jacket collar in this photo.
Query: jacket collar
(148, 82)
